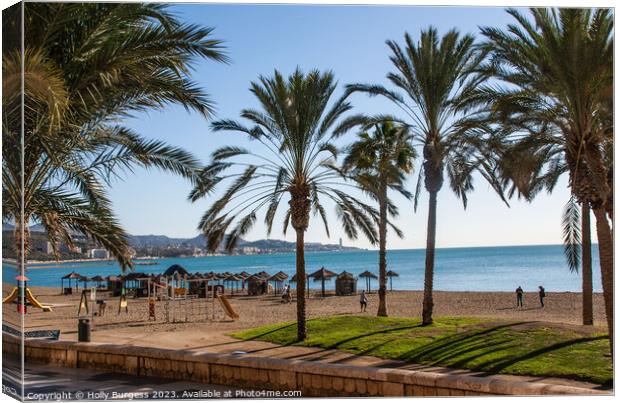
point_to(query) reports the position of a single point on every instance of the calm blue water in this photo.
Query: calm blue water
(456, 269)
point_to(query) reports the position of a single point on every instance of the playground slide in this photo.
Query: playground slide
(13, 295)
(33, 301)
(227, 307)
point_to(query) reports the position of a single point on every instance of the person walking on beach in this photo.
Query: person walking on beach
(363, 301)
(541, 295)
(519, 292)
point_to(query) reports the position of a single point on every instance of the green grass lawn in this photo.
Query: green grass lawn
(518, 348)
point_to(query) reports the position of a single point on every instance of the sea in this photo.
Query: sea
(501, 268)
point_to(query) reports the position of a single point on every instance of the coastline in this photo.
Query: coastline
(57, 262)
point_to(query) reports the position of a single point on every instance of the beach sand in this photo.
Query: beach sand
(200, 334)
(262, 310)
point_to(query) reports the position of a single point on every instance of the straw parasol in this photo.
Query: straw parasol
(391, 274)
(367, 275)
(321, 275)
(98, 280)
(243, 276)
(233, 278)
(278, 278)
(69, 277)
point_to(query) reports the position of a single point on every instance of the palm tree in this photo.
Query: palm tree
(379, 161)
(297, 162)
(528, 168)
(558, 67)
(578, 247)
(87, 67)
(437, 74)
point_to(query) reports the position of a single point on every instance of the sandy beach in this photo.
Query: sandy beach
(135, 327)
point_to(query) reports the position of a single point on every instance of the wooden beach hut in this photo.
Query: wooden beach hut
(115, 285)
(368, 275)
(257, 285)
(138, 283)
(346, 284)
(322, 275)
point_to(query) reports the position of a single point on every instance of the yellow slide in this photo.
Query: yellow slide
(227, 307)
(36, 303)
(13, 295)
(33, 301)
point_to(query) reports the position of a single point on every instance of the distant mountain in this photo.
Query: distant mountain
(143, 241)
(273, 245)
(163, 241)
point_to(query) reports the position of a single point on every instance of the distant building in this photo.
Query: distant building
(98, 254)
(340, 243)
(249, 250)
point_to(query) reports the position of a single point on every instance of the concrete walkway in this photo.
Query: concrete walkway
(50, 383)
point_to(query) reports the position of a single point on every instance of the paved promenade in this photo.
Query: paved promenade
(50, 383)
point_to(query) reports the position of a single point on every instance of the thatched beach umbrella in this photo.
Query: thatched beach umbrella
(346, 284)
(69, 277)
(243, 276)
(278, 279)
(321, 275)
(97, 280)
(367, 275)
(391, 274)
(232, 279)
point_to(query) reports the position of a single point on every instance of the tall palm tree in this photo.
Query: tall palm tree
(578, 247)
(437, 74)
(379, 161)
(88, 66)
(558, 67)
(528, 168)
(295, 161)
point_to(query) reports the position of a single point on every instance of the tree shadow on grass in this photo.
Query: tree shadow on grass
(361, 336)
(449, 344)
(502, 363)
(492, 343)
(260, 335)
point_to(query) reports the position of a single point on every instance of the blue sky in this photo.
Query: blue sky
(350, 41)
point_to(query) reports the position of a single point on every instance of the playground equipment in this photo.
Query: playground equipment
(29, 297)
(227, 307)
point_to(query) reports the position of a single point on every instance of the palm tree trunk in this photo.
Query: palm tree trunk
(586, 265)
(300, 271)
(427, 304)
(382, 311)
(605, 250)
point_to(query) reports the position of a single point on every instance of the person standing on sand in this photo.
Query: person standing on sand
(541, 294)
(519, 292)
(363, 301)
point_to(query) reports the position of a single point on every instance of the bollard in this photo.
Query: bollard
(84, 329)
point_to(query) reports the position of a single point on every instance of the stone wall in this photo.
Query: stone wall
(311, 378)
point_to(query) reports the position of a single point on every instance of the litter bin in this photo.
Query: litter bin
(83, 329)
